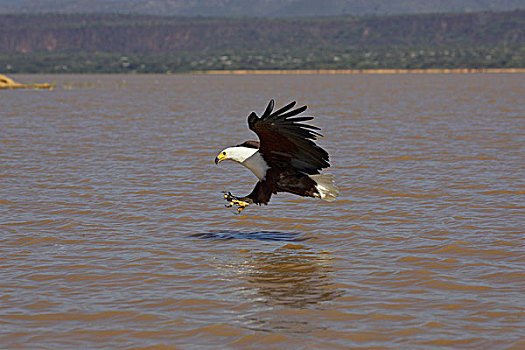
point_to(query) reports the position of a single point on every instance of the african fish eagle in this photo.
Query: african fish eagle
(286, 159)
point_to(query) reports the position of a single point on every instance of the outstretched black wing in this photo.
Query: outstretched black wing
(285, 141)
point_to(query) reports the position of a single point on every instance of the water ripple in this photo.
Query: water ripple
(115, 235)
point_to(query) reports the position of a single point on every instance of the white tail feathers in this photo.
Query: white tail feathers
(325, 186)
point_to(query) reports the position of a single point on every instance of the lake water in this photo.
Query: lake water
(114, 232)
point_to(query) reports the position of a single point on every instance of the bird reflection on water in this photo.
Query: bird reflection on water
(258, 235)
(280, 285)
(287, 277)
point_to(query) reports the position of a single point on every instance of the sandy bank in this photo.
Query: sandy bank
(8, 83)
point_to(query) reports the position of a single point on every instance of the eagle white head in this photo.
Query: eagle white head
(247, 156)
(237, 154)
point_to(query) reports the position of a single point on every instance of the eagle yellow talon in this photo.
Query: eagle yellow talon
(241, 208)
(240, 203)
(232, 200)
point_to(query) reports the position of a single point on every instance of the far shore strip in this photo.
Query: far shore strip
(365, 71)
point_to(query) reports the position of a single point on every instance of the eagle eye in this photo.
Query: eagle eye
(223, 153)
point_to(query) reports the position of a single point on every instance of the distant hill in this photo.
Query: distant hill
(141, 43)
(258, 8)
(154, 34)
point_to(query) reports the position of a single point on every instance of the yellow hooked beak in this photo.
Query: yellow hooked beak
(220, 157)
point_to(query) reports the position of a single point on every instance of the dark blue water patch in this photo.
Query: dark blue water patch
(259, 235)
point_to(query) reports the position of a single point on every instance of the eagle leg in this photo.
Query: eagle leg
(232, 200)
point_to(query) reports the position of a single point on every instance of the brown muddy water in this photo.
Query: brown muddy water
(114, 233)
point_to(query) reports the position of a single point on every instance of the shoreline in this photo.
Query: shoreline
(290, 72)
(362, 71)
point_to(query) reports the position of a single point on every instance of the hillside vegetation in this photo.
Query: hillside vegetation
(258, 8)
(138, 43)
